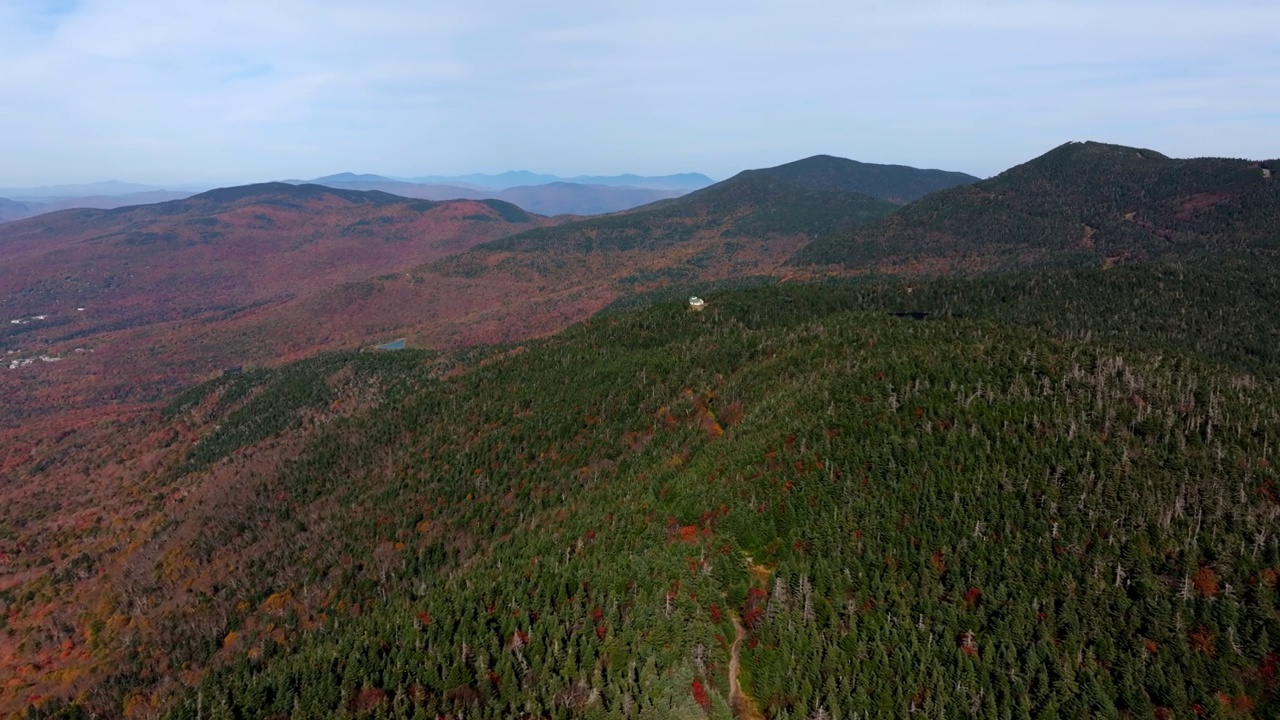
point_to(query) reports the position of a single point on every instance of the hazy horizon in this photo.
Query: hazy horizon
(233, 92)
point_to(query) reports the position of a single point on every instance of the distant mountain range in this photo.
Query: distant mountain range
(95, 189)
(807, 198)
(537, 193)
(519, 178)
(752, 204)
(16, 210)
(557, 198)
(12, 210)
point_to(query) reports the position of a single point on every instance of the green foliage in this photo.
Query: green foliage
(1080, 203)
(986, 511)
(750, 204)
(508, 212)
(895, 183)
(265, 402)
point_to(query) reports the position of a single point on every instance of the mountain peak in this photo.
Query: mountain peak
(895, 183)
(281, 190)
(352, 177)
(1081, 202)
(1090, 150)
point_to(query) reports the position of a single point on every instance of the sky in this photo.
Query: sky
(174, 92)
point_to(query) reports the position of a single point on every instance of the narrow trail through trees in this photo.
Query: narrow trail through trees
(743, 705)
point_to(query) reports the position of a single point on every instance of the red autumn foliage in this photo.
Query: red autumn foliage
(1242, 704)
(601, 632)
(700, 695)
(731, 414)
(939, 566)
(716, 615)
(1267, 671)
(1269, 491)
(971, 596)
(1205, 582)
(753, 608)
(1269, 577)
(1202, 641)
(709, 426)
(674, 592)
(368, 700)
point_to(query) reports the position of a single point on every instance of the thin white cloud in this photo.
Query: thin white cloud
(242, 90)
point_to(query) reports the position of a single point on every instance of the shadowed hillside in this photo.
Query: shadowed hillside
(895, 183)
(1080, 203)
(748, 205)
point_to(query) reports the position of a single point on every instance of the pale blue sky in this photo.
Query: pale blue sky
(234, 91)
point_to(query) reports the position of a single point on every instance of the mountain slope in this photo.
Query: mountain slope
(1082, 202)
(736, 232)
(895, 183)
(749, 204)
(570, 527)
(134, 300)
(12, 210)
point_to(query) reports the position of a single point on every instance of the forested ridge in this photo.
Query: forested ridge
(1082, 203)
(750, 204)
(896, 183)
(1029, 495)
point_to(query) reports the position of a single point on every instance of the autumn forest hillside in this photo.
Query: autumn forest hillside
(1001, 495)
(922, 460)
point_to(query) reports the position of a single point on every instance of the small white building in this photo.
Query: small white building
(696, 304)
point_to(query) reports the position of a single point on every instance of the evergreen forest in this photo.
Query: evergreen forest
(1044, 495)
